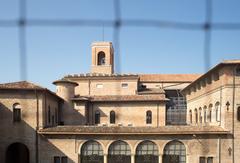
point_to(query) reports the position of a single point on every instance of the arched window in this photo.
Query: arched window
(149, 117)
(101, 58)
(174, 151)
(112, 117)
(217, 109)
(238, 113)
(205, 114)
(200, 115)
(119, 152)
(91, 151)
(190, 116)
(146, 152)
(17, 112)
(210, 113)
(196, 115)
(97, 117)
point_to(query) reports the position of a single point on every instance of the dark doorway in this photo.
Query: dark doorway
(17, 153)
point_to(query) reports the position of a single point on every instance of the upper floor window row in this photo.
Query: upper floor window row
(97, 117)
(206, 114)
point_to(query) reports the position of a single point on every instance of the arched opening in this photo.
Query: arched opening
(149, 117)
(174, 152)
(101, 58)
(196, 115)
(210, 113)
(217, 110)
(97, 117)
(200, 115)
(205, 114)
(17, 153)
(91, 152)
(147, 152)
(112, 117)
(17, 112)
(190, 116)
(119, 152)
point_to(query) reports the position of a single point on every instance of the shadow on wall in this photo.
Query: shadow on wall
(19, 140)
(72, 116)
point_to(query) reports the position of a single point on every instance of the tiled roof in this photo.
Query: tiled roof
(20, 85)
(105, 130)
(25, 85)
(168, 77)
(122, 98)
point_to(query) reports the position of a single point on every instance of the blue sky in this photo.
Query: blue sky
(53, 52)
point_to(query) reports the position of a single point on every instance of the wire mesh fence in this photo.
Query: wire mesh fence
(23, 22)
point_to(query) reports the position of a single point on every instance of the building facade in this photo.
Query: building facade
(103, 117)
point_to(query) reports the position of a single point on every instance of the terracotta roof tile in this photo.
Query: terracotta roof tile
(20, 85)
(121, 98)
(25, 85)
(168, 77)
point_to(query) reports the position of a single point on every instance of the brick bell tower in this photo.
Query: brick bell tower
(102, 58)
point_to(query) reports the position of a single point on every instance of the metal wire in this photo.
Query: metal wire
(22, 23)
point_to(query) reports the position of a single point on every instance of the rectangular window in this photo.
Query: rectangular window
(202, 160)
(56, 159)
(99, 86)
(124, 85)
(210, 160)
(64, 159)
(16, 115)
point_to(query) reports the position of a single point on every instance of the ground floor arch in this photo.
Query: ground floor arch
(17, 153)
(174, 152)
(119, 152)
(91, 152)
(147, 152)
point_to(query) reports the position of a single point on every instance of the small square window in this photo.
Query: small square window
(124, 85)
(99, 86)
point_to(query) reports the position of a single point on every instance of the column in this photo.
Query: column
(105, 158)
(132, 158)
(160, 158)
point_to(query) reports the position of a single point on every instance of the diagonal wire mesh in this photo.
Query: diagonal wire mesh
(117, 24)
